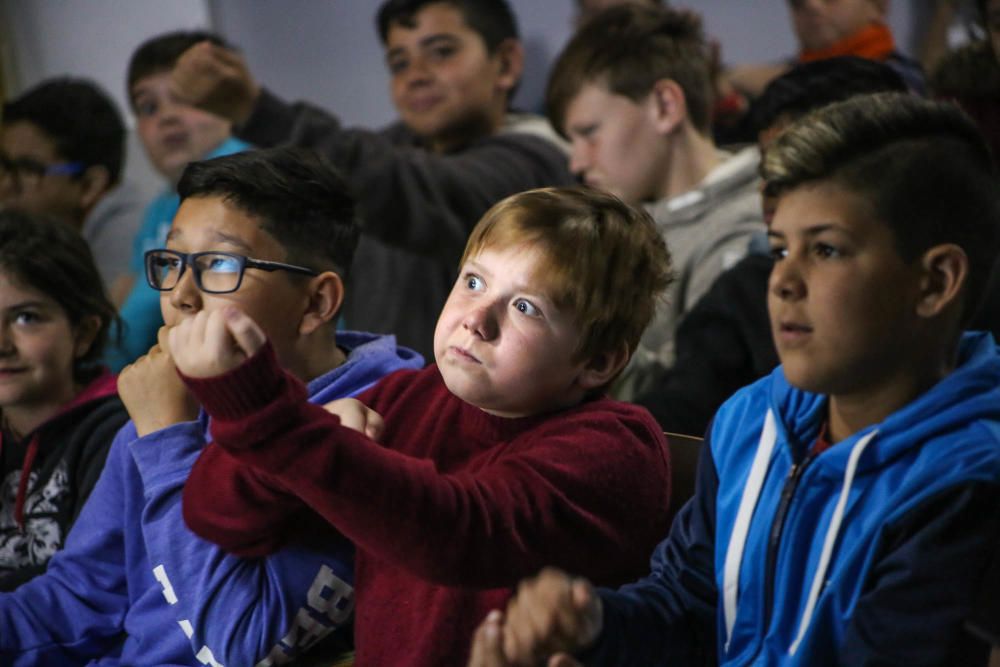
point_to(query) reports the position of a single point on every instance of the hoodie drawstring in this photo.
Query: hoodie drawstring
(831, 537)
(738, 539)
(22, 484)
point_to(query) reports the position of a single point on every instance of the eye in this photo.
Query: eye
(397, 65)
(27, 317)
(474, 283)
(222, 264)
(442, 52)
(146, 108)
(586, 132)
(778, 252)
(826, 251)
(526, 307)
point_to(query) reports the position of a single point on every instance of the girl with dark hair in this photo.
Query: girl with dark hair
(59, 409)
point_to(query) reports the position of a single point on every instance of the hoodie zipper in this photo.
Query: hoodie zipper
(774, 540)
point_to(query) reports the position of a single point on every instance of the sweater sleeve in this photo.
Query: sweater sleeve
(921, 588)
(562, 499)
(669, 617)
(411, 197)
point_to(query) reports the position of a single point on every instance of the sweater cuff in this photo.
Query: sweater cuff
(242, 391)
(270, 122)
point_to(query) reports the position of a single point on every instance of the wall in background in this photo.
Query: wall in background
(327, 51)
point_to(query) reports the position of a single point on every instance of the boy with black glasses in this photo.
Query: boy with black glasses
(272, 232)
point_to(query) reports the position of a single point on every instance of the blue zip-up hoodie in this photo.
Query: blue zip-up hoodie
(134, 586)
(869, 553)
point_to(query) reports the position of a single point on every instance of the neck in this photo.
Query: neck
(470, 130)
(850, 413)
(319, 355)
(692, 156)
(20, 420)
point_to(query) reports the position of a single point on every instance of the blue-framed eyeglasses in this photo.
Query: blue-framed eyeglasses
(214, 272)
(22, 170)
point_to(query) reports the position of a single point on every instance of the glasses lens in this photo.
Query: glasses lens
(219, 272)
(163, 269)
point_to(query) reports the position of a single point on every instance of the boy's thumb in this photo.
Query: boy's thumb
(248, 336)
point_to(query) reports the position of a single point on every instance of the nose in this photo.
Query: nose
(416, 73)
(482, 322)
(579, 158)
(185, 296)
(786, 281)
(6, 341)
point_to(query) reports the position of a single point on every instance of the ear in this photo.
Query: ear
(945, 270)
(84, 335)
(509, 55)
(667, 105)
(94, 182)
(603, 367)
(326, 294)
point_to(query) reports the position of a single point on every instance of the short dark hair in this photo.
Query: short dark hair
(50, 256)
(923, 166)
(493, 20)
(78, 117)
(815, 84)
(296, 195)
(629, 48)
(160, 53)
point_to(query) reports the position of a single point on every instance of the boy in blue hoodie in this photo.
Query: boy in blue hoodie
(845, 507)
(274, 233)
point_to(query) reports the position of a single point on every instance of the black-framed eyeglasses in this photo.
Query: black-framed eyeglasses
(25, 170)
(214, 272)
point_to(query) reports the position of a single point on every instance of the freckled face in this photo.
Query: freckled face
(501, 344)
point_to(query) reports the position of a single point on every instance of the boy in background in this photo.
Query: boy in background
(424, 181)
(271, 232)
(173, 134)
(500, 457)
(845, 508)
(62, 147)
(725, 342)
(631, 91)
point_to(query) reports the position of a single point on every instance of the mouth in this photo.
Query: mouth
(793, 332)
(463, 354)
(174, 140)
(9, 372)
(422, 104)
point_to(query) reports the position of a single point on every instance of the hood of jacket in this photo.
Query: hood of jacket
(370, 357)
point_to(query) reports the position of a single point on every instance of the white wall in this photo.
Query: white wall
(327, 51)
(93, 39)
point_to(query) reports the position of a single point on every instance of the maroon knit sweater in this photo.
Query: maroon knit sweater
(448, 512)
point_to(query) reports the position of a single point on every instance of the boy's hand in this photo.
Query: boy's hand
(358, 416)
(152, 393)
(551, 615)
(217, 80)
(487, 649)
(211, 344)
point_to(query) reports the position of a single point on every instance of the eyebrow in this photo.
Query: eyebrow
(221, 237)
(424, 43)
(814, 230)
(28, 304)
